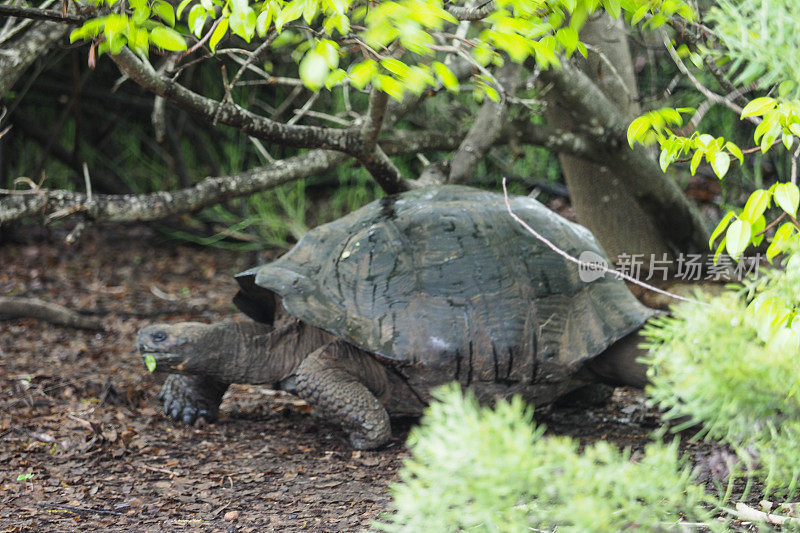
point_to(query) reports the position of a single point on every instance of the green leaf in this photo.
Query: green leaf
(638, 129)
(181, 7)
(780, 240)
(720, 228)
(696, 158)
(758, 106)
(639, 14)
(664, 159)
(336, 77)
(243, 23)
(737, 238)
(167, 39)
(219, 33)
(612, 7)
(150, 362)
(314, 70)
(390, 86)
(197, 19)
(289, 13)
(758, 226)
(720, 162)
(446, 76)
(310, 10)
(756, 205)
(787, 196)
(165, 12)
(718, 252)
(735, 151)
(263, 21)
(361, 73)
(568, 38)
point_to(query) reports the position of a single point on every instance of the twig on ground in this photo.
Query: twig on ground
(12, 308)
(745, 512)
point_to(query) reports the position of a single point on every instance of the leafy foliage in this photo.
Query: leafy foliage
(761, 39)
(391, 45)
(478, 469)
(731, 367)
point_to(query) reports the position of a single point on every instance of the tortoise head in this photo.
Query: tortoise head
(178, 348)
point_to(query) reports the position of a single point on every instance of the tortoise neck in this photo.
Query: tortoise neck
(252, 352)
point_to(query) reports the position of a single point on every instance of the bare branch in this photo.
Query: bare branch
(12, 308)
(712, 96)
(479, 12)
(557, 140)
(255, 125)
(487, 127)
(17, 56)
(34, 13)
(374, 119)
(679, 222)
(56, 204)
(129, 207)
(582, 264)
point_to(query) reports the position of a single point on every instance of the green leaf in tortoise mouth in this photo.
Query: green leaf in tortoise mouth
(150, 362)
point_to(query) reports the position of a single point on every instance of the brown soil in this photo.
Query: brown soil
(78, 409)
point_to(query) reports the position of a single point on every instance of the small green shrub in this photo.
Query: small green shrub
(478, 469)
(731, 368)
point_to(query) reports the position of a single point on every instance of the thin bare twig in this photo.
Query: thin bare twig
(708, 93)
(592, 266)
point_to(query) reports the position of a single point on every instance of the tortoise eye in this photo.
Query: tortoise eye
(159, 336)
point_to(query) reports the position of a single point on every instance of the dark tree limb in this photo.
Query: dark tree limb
(487, 127)
(22, 52)
(12, 308)
(146, 207)
(371, 155)
(479, 12)
(678, 221)
(378, 101)
(557, 140)
(142, 73)
(57, 204)
(34, 13)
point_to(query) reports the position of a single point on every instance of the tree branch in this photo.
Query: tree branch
(374, 119)
(257, 126)
(679, 221)
(487, 127)
(146, 207)
(12, 308)
(471, 14)
(557, 140)
(16, 57)
(57, 204)
(34, 13)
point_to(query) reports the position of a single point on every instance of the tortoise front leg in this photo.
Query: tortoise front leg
(192, 398)
(333, 380)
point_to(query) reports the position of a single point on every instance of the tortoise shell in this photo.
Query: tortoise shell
(444, 276)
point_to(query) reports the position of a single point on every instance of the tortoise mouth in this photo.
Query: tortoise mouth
(164, 361)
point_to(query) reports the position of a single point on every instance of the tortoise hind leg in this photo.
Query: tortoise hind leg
(192, 398)
(334, 380)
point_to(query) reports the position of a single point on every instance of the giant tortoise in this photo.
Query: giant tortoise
(369, 313)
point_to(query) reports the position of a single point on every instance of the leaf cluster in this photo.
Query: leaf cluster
(478, 469)
(760, 38)
(396, 42)
(730, 368)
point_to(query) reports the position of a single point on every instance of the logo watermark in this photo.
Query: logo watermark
(687, 267)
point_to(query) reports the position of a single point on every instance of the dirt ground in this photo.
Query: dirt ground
(78, 409)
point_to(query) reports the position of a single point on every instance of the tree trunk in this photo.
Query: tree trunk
(610, 199)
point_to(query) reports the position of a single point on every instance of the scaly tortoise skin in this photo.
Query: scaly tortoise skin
(366, 315)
